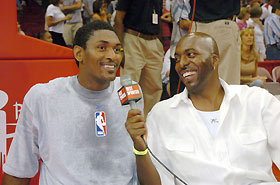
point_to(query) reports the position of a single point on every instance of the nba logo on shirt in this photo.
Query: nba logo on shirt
(100, 124)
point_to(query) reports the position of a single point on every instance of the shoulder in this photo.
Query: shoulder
(44, 89)
(251, 95)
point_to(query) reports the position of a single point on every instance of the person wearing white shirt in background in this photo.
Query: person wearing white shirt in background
(212, 133)
(55, 21)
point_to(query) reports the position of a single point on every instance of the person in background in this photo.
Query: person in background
(55, 21)
(249, 59)
(272, 33)
(71, 26)
(100, 11)
(88, 11)
(255, 13)
(212, 132)
(45, 36)
(215, 18)
(243, 18)
(75, 125)
(138, 26)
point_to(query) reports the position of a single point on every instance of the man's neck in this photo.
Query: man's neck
(210, 99)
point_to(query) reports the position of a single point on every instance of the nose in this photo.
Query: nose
(184, 61)
(110, 53)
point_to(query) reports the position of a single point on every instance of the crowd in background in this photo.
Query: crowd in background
(64, 17)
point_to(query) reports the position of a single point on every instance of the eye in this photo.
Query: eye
(191, 55)
(118, 50)
(101, 48)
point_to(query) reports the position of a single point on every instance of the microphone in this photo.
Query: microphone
(129, 93)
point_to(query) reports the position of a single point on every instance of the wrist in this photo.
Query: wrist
(137, 152)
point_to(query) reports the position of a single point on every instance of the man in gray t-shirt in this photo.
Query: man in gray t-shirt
(76, 125)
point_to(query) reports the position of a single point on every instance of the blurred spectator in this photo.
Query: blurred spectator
(88, 11)
(165, 28)
(55, 21)
(267, 9)
(45, 36)
(165, 76)
(243, 17)
(100, 11)
(272, 33)
(249, 59)
(255, 13)
(111, 11)
(71, 26)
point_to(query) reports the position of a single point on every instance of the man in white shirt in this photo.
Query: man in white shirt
(212, 133)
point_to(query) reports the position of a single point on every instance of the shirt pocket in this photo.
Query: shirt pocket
(251, 136)
(179, 146)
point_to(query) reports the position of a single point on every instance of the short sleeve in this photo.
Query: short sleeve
(50, 11)
(23, 156)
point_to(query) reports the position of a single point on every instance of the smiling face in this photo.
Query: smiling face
(194, 61)
(99, 62)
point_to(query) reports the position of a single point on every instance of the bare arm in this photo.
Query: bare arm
(135, 125)
(75, 6)
(11, 180)
(51, 22)
(119, 27)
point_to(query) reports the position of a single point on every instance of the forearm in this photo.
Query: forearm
(53, 23)
(75, 6)
(11, 180)
(119, 27)
(147, 174)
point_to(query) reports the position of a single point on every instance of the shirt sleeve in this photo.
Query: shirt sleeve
(23, 156)
(271, 119)
(123, 5)
(50, 12)
(275, 25)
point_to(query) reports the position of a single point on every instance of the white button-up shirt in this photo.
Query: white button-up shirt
(246, 144)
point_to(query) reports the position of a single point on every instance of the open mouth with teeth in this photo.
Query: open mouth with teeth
(189, 74)
(110, 67)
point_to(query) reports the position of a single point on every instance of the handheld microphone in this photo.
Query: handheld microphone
(129, 93)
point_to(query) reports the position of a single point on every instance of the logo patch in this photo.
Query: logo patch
(100, 124)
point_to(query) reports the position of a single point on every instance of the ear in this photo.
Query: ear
(78, 53)
(215, 61)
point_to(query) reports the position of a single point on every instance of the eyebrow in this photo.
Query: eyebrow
(106, 42)
(186, 50)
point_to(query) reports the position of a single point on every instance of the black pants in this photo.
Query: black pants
(58, 38)
(174, 79)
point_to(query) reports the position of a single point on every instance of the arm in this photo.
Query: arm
(75, 6)
(135, 125)
(51, 22)
(87, 10)
(119, 27)
(8, 180)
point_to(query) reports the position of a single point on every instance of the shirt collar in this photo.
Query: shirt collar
(230, 93)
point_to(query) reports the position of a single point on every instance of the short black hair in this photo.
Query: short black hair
(54, 2)
(83, 34)
(275, 6)
(97, 5)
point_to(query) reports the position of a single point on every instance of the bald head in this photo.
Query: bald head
(201, 40)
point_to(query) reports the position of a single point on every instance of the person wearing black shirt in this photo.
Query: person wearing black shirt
(137, 24)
